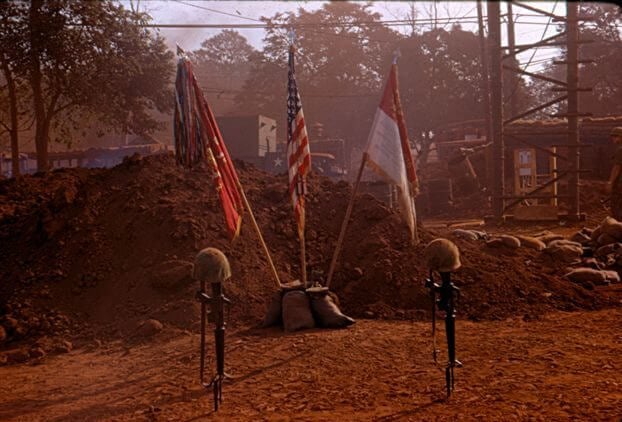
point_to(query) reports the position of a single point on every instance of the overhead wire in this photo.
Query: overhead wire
(239, 16)
(535, 50)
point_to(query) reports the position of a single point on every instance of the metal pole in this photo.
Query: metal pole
(496, 104)
(485, 90)
(515, 79)
(573, 106)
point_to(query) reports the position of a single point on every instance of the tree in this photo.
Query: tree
(227, 49)
(12, 90)
(604, 74)
(440, 81)
(87, 60)
(222, 66)
(342, 56)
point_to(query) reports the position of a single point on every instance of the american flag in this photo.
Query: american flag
(298, 153)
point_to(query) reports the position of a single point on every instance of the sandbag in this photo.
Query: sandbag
(464, 234)
(609, 225)
(480, 234)
(274, 312)
(614, 230)
(495, 243)
(326, 312)
(531, 242)
(551, 237)
(582, 275)
(587, 231)
(563, 242)
(591, 263)
(605, 239)
(581, 237)
(510, 241)
(296, 311)
(612, 276)
(564, 250)
(607, 249)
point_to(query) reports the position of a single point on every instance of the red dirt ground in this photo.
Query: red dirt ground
(562, 367)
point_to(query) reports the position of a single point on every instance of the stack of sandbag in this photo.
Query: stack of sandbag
(297, 309)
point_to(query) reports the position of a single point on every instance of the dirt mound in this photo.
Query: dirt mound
(102, 251)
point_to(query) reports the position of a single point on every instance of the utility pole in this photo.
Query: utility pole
(512, 49)
(485, 91)
(496, 104)
(572, 79)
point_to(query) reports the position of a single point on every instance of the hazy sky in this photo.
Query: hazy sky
(529, 27)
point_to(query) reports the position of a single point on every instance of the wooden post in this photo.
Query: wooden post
(496, 104)
(573, 107)
(512, 49)
(303, 259)
(301, 188)
(263, 243)
(344, 224)
(486, 92)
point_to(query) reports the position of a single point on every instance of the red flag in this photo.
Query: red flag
(388, 149)
(298, 153)
(198, 138)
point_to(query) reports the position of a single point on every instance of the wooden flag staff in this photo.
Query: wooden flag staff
(344, 224)
(263, 243)
(301, 237)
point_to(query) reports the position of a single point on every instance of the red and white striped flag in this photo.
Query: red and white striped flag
(388, 149)
(298, 153)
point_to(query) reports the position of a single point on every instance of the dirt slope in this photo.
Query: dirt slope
(99, 251)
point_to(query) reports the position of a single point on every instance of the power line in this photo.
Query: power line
(535, 50)
(400, 22)
(217, 11)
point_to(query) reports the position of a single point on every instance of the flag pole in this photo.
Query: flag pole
(414, 234)
(261, 240)
(344, 224)
(416, 238)
(301, 235)
(300, 184)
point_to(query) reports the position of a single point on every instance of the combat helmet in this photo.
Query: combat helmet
(211, 265)
(442, 255)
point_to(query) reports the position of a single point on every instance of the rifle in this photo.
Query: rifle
(449, 294)
(217, 302)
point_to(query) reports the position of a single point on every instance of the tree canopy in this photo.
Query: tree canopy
(338, 67)
(85, 61)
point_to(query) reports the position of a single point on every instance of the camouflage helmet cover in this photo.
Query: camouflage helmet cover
(442, 255)
(212, 265)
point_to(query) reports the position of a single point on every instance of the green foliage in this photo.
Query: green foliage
(339, 69)
(440, 79)
(87, 61)
(604, 75)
